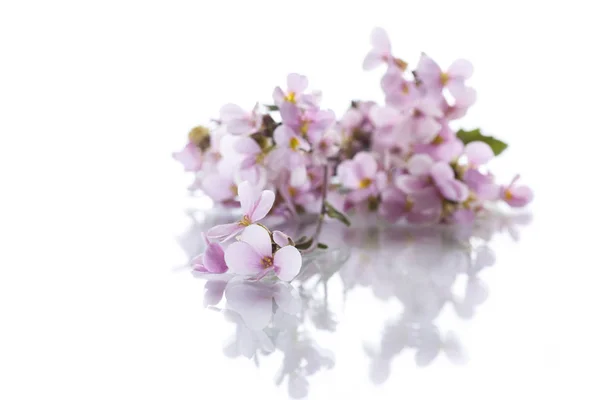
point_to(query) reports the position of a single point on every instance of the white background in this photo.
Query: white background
(94, 98)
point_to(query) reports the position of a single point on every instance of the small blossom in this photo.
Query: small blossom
(255, 206)
(381, 52)
(359, 175)
(190, 157)
(433, 78)
(516, 195)
(212, 260)
(253, 256)
(296, 85)
(240, 122)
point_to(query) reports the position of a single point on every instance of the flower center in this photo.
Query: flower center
(400, 63)
(508, 195)
(292, 191)
(234, 189)
(409, 205)
(266, 262)
(444, 78)
(245, 221)
(294, 143)
(291, 97)
(405, 88)
(437, 140)
(364, 183)
(304, 127)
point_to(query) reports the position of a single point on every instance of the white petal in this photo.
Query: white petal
(288, 262)
(258, 237)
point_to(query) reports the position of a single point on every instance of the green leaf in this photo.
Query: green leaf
(272, 107)
(475, 135)
(322, 246)
(335, 214)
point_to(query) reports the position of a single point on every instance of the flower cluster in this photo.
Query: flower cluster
(403, 159)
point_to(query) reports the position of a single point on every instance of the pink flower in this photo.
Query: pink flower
(424, 206)
(252, 158)
(398, 90)
(423, 172)
(240, 122)
(381, 51)
(421, 123)
(359, 175)
(309, 123)
(253, 256)
(190, 157)
(296, 85)
(212, 261)
(255, 206)
(444, 147)
(291, 145)
(433, 78)
(516, 196)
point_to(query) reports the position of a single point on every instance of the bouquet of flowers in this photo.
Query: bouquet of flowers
(403, 160)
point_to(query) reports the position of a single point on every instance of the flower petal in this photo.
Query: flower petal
(409, 184)
(281, 238)
(478, 153)
(288, 262)
(278, 96)
(380, 40)
(428, 71)
(263, 206)
(461, 68)
(213, 292)
(282, 135)
(260, 240)
(441, 172)
(224, 232)
(248, 197)
(365, 165)
(231, 112)
(240, 127)
(420, 164)
(454, 190)
(372, 60)
(243, 259)
(297, 83)
(214, 259)
(247, 145)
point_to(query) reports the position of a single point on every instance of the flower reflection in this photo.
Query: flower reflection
(424, 269)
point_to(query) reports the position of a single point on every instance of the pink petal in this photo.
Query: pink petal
(230, 112)
(224, 232)
(190, 157)
(213, 292)
(240, 127)
(282, 135)
(463, 217)
(420, 164)
(365, 165)
(214, 259)
(464, 96)
(429, 71)
(258, 237)
(247, 145)
(248, 197)
(247, 163)
(489, 191)
(347, 174)
(454, 190)
(263, 206)
(426, 129)
(297, 83)
(288, 262)
(281, 238)
(380, 40)
(218, 188)
(462, 69)
(478, 153)
(243, 259)
(441, 172)
(372, 60)
(290, 113)
(252, 301)
(278, 96)
(520, 196)
(299, 176)
(410, 184)
(384, 116)
(426, 200)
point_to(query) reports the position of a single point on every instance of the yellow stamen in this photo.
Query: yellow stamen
(234, 189)
(291, 97)
(304, 127)
(245, 221)
(405, 88)
(292, 191)
(400, 63)
(409, 205)
(365, 183)
(267, 262)
(444, 78)
(437, 140)
(294, 143)
(508, 195)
